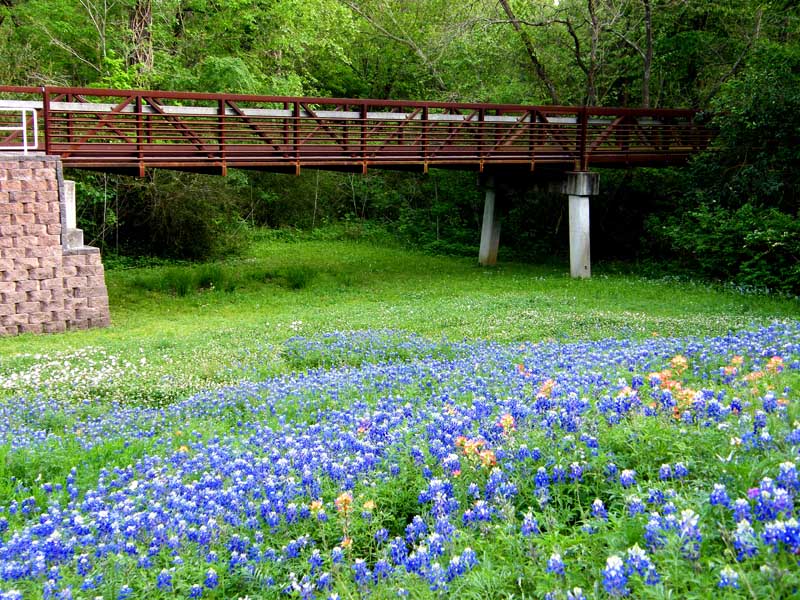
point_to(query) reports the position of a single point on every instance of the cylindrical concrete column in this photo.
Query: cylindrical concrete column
(579, 187)
(580, 264)
(490, 228)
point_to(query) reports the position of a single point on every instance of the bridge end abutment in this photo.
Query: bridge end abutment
(49, 281)
(579, 187)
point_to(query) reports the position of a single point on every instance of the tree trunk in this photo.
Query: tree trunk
(648, 53)
(141, 25)
(538, 67)
(591, 72)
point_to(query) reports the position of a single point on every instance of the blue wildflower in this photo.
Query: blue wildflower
(211, 580)
(555, 564)
(615, 581)
(728, 578)
(627, 478)
(599, 510)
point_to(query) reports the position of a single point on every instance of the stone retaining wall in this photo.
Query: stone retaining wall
(45, 285)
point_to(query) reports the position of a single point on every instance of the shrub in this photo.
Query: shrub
(755, 246)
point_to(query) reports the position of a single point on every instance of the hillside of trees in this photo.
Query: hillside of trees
(732, 215)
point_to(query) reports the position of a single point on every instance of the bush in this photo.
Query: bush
(754, 246)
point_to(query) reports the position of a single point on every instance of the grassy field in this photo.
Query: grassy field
(196, 322)
(347, 419)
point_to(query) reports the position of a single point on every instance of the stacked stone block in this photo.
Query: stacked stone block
(45, 286)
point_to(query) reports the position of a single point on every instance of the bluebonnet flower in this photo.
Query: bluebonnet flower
(599, 509)
(635, 506)
(315, 560)
(728, 578)
(680, 470)
(637, 562)
(654, 532)
(164, 580)
(324, 581)
(196, 591)
(398, 550)
(615, 581)
(769, 402)
(212, 579)
(665, 472)
(125, 592)
(689, 534)
(555, 564)
(542, 479)
(655, 496)
(719, 496)
(627, 478)
(744, 540)
(576, 471)
(530, 526)
(382, 535)
(741, 510)
(362, 573)
(787, 477)
(575, 593)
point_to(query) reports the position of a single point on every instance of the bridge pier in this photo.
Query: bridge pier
(49, 281)
(490, 228)
(579, 187)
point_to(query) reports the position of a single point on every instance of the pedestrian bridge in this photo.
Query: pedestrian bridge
(51, 281)
(131, 131)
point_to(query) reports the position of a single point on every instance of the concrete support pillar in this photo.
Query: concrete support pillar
(490, 229)
(73, 237)
(580, 186)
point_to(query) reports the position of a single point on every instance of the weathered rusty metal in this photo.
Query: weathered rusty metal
(130, 130)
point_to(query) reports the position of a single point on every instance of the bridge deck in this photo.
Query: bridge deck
(130, 131)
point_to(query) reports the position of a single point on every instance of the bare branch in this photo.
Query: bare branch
(66, 47)
(403, 39)
(738, 63)
(538, 67)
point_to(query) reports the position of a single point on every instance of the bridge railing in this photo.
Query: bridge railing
(19, 129)
(137, 129)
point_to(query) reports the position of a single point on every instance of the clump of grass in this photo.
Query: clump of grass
(297, 278)
(178, 281)
(211, 277)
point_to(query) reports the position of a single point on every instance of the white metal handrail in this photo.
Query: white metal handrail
(23, 129)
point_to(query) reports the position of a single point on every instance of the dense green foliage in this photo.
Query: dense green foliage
(737, 59)
(739, 216)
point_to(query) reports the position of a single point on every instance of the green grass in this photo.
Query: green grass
(197, 324)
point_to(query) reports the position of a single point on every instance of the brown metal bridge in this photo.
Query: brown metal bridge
(131, 131)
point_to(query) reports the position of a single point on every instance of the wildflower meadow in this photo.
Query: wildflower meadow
(386, 465)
